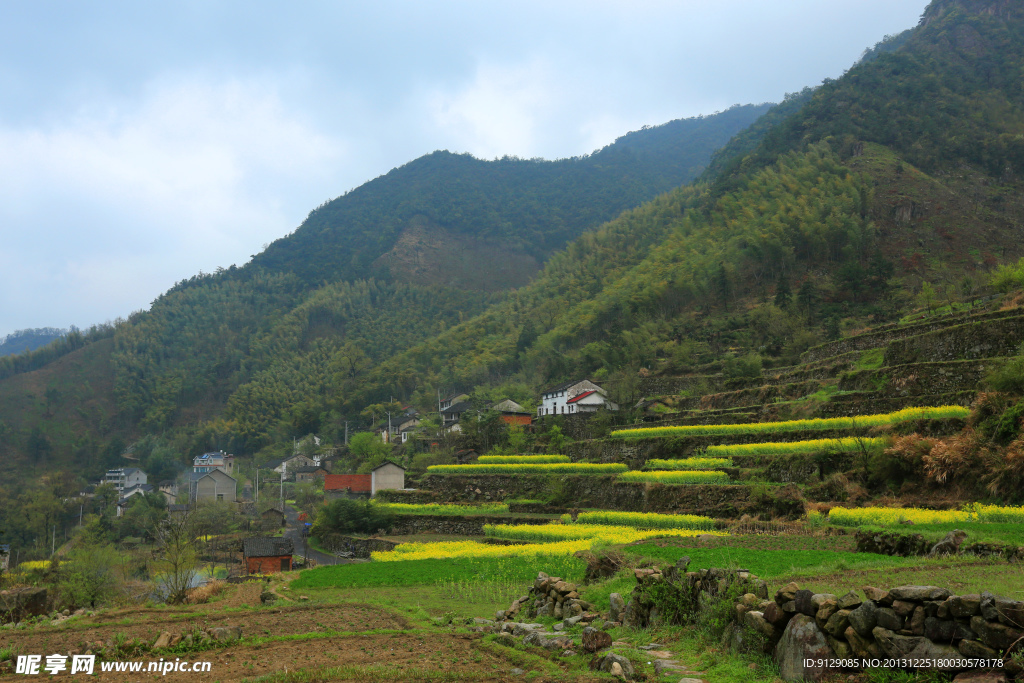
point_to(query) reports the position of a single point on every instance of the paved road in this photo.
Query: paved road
(293, 530)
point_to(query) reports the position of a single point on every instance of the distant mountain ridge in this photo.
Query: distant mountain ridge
(29, 339)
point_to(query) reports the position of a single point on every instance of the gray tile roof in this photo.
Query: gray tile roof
(266, 546)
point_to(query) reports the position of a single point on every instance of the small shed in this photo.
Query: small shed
(387, 476)
(266, 555)
(272, 518)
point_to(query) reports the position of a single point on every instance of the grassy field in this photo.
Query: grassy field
(769, 563)
(977, 532)
(438, 571)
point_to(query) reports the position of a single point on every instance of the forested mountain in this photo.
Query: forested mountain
(833, 210)
(20, 341)
(246, 355)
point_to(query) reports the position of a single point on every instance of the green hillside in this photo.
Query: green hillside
(842, 207)
(369, 274)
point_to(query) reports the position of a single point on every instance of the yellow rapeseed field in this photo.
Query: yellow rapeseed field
(931, 413)
(455, 549)
(676, 477)
(688, 464)
(642, 520)
(893, 516)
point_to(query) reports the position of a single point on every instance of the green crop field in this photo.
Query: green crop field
(439, 571)
(642, 520)
(521, 459)
(863, 421)
(521, 469)
(447, 509)
(688, 464)
(769, 563)
(676, 477)
(845, 445)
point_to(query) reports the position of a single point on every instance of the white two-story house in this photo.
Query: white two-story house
(578, 396)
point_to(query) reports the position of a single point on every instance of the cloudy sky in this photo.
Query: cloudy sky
(141, 143)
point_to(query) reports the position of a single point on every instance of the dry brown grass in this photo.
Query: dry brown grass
(203, 594)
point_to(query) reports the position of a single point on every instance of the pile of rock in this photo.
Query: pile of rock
(686, 592)
(923, 623)
(550, 596)
(219, 634)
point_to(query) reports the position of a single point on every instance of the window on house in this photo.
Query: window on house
(220, 496)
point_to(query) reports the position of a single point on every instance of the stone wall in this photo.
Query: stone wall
(469, 525)
(919, 378)
(359, 547)
(925, 624)
(605, 492)
(884, 336)
(963, 342)
(912, 545)
(635, 452)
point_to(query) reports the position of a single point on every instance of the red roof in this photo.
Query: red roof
(340, 482)
(579, 396)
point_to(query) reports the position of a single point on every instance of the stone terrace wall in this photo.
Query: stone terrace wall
(635, 452)
(729, 501)
(924, 623)
(360, 547)
(919, 378)
(962, 342)
(914, 545)
(885, 336)
(469, 525)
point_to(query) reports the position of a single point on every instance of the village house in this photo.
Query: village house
(217, 460)
(267, 555)
(272, 519)
(124, 478)
(512, 413)
(5, 557)
(579, 396)
(210, 487)
(451, 415)
(309, 474)
(347, 485)
(449, 401)
(385, 476)
(289, 465)
(169, 488)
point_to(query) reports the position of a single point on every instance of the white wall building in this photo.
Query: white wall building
(578, 396)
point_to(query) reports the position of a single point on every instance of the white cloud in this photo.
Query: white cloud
(194, 174)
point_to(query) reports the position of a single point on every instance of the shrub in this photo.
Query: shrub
(1008, 277)
(1009, 377)
(345, 516)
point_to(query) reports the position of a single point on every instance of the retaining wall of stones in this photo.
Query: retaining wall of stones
(925, 626)
(914, 545)
(988, 339)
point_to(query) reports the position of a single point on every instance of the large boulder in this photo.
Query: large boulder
(802, 643)
(950, 545)
(893, 644)
(995, 635)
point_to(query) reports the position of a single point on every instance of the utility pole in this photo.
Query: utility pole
(81, 509)
(53, 544)
(346, 432)
(257, 485)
